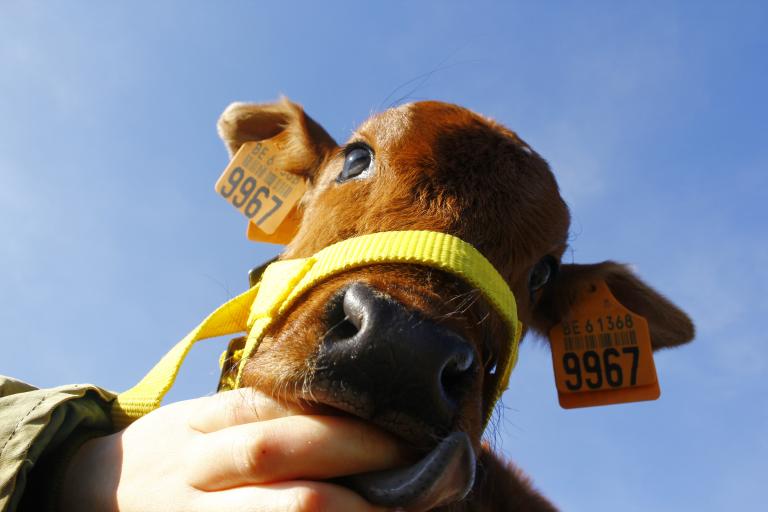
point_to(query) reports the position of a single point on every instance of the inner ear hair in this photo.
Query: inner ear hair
(243, 122)
(668, 324)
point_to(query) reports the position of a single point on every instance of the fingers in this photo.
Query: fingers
(237, 407)
(287, 496)
(292, 448)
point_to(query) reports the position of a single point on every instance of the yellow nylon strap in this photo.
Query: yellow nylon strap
(429, 248)
(283, 282)
(146, 396)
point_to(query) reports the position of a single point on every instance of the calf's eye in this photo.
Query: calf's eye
(357, 163)
(542, 273)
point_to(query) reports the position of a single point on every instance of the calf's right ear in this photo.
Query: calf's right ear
(305, 143)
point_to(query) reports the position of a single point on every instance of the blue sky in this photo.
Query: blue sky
(652, 115)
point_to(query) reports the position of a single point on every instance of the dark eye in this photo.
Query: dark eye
(542, 273)
(357, 161)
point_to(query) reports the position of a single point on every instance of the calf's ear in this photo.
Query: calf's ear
(669, 325)
(304, 143)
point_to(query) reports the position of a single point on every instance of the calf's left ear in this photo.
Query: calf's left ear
(669, 325)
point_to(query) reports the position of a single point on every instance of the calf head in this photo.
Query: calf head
(409, 348)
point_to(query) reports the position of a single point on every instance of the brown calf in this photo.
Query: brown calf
(409, 348)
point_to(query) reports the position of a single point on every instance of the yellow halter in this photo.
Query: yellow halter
(283, 282)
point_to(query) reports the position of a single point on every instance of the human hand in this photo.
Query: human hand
(236, 451)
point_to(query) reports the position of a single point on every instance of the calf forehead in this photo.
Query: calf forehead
(416, 128)
(395, 124)
(388, 128)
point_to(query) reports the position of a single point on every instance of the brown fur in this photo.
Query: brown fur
(437, 167)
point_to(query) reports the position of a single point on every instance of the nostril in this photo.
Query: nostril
(343, 329)
(348, 312)
(338, 323)
(456, 373)
(355, 305)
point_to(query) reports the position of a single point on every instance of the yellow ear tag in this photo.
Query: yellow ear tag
(256, 186)
(601, 353)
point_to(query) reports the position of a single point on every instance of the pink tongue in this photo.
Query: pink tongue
(444, 475)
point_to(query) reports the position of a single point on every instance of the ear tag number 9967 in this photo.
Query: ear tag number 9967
(601, 353)
(254, 184)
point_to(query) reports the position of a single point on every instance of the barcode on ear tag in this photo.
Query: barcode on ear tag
(256, 186)
(601, 353)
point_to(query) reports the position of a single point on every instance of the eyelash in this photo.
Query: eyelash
(348, 148)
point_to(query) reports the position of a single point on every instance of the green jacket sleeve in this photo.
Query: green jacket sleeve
(36, 428)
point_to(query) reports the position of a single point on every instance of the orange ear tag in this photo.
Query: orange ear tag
(601, 353)
(254, 184)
